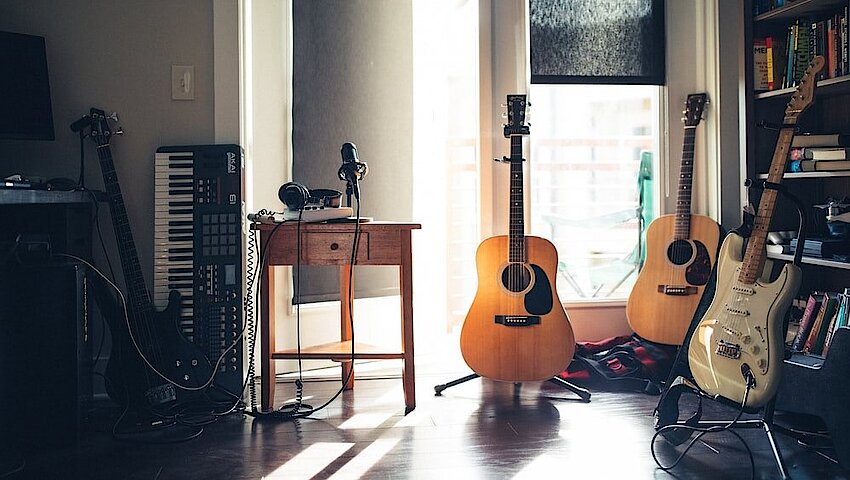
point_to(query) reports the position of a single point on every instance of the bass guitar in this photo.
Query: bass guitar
(736, 350)
(516, 329)
(680, 251)
(149, 353)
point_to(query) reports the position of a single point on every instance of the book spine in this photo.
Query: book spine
(806, 321)
(838, 319)
(768, 45)
(816, 326)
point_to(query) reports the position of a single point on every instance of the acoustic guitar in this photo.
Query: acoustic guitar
(736, 351)
(150, 358)
(517, 329)
(680, 251)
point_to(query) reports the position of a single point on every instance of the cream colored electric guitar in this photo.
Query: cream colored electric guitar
(737, 348)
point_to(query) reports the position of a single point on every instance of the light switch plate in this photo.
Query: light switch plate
(182, 82)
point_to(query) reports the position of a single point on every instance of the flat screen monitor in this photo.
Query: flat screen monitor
(25, 108)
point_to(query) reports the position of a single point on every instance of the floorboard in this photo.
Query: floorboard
(476, 430)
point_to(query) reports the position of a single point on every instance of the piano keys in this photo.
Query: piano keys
(198, 249)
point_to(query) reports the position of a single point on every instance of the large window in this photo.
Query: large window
(592, 149)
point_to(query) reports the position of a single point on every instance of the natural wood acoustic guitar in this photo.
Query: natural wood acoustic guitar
(517, 329)
(680, 252)
(736, 351)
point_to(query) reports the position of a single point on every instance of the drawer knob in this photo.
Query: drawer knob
(334, 246)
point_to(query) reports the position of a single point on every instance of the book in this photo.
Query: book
(760, 74)
(821, 140)
(818, 165)
(771, 75)
(839, 320)
(818, 153)
(814, 343)
(823, 247)
(807, 320)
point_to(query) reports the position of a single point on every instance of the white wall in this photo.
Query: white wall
(117, 56)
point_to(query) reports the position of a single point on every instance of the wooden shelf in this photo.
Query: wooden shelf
(798, 8)
(338, 352)
(826, 87)
(795, 175)
(811, 261)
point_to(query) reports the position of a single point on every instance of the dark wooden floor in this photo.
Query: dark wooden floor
(475, 430)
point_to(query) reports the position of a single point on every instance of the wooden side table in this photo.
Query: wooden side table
(381, 243)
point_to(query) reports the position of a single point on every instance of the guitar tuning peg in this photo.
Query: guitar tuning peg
(113, 116)
(683, 118)
(503, 105)
(504, 115)
(118, 131)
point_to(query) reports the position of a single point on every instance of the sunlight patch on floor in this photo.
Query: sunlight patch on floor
(363, 461)
(310, 461)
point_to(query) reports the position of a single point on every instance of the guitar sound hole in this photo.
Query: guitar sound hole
(516, 277)
(680, 252)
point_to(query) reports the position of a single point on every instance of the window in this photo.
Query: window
(587, 146)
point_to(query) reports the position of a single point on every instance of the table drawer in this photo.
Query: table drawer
(333, 247)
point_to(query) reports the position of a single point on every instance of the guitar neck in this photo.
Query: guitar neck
(682, 227)
(756, 254)
(516, 221)
(138, 293)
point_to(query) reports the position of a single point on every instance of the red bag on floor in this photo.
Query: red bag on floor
(624, 363)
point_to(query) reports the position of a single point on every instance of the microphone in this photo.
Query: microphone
(352, 168)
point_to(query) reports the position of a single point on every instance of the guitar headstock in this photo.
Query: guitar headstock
(99, 129)
(516, 116)
(805, 94)
(694, 109)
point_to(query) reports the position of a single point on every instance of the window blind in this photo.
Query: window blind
(597, 41)
(353, 82)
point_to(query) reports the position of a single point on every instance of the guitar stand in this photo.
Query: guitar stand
(582, 393)
(665, 412)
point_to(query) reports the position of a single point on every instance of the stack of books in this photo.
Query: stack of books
(820, 152)
(780, 60)
(820, 247)
(825, 312)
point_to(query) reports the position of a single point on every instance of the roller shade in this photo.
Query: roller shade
(597, 41)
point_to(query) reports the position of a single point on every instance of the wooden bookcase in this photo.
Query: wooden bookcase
(830, 113)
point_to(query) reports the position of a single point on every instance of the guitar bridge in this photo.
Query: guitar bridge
(728, 349)
(517, 320)
(677, 289)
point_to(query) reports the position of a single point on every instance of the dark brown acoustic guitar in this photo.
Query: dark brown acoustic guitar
(680, 252)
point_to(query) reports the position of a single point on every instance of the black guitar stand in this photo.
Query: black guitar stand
(666, 412)
(582, 393)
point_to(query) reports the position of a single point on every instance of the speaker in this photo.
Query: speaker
(45, 353)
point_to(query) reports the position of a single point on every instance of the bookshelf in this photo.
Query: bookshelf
(830, 113)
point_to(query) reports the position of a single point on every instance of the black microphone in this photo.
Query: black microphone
(352, 168)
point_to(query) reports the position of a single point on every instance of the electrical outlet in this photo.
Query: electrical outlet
(182, 82)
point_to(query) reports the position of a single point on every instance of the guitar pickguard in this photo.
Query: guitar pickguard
(698, 272)
(538, 301)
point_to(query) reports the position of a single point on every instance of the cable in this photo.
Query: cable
(704, 430)
(16, 469)
(297, 409)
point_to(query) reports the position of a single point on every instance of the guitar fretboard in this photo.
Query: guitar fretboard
(138, 293)
(516, 221)
(682, 227)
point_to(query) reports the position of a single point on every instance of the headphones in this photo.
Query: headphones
(297, 197)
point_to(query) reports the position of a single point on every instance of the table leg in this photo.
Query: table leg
(346, 285)
(267, 340)
(406, 288)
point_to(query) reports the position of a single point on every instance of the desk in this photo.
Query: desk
(381, 243)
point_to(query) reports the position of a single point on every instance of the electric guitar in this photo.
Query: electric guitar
(680, 251)
(736, 351)
(517, 329)
(146, 345)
